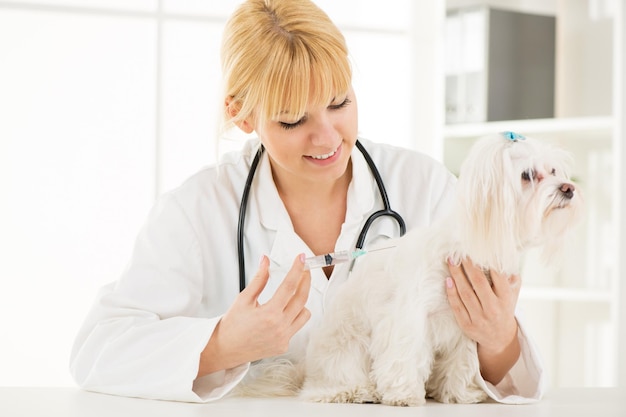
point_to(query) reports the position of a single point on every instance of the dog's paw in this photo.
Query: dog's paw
(473, 394)
(468, 395)
(358, 395)
(403, 400)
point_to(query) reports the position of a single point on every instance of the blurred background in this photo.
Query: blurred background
(106, 104)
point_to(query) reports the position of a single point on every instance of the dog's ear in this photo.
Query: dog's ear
(487, 193)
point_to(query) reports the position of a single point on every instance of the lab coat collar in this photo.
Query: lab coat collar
(361, 191)
(273, 216)
(272, 212)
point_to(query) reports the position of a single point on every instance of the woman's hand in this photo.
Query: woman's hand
(250, 331)
(486, 313)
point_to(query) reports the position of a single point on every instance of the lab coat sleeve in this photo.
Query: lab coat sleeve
(445, 202)
(144, 334)
(525, 382)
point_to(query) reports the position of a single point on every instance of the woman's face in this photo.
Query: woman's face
(316, 148)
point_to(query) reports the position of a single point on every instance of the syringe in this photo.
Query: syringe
(334, 258)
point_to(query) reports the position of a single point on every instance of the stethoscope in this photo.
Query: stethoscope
(386, 211)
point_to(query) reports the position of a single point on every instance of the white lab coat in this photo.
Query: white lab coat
(145, 332)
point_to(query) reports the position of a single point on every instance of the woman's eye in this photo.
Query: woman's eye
(340, 105)
(288, 126)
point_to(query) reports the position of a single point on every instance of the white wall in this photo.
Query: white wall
(76, 173)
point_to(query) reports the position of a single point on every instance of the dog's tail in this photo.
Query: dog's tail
(271, 378)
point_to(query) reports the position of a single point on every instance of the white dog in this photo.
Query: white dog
(390, 335)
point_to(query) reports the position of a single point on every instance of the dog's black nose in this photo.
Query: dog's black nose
(567, 189)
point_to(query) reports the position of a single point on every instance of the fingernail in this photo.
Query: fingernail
(452, 262)
(302, 257)
(449, 282)
(261, 260)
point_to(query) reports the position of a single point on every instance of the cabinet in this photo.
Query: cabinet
(499, 65)
(577, 310)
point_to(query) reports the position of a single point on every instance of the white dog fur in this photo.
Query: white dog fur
(390, 335)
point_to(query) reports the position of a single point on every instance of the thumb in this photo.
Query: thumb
(258, 282)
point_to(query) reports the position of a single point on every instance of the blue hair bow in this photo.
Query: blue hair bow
(513, 136)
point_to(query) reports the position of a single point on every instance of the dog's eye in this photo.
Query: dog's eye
(528, 175)
(553, 172)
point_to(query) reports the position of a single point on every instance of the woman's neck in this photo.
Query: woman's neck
(301, 192)
(317, 210)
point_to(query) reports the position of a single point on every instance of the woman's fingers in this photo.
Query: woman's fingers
(478, 280)
(465, 287)
(258, 282)
(505, 286)
(292, 285)
(460, 312)
(266, 329)
(484, 310)
(297, 302)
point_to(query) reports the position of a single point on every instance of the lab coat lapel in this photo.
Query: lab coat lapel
(273, 216)
(363, 200)
(361, 195)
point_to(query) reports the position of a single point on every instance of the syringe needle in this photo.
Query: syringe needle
(376, 250)
(334, 258)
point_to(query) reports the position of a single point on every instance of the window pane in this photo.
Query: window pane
(393, 15)
(76, 173)
(191, 87)
(381, 64)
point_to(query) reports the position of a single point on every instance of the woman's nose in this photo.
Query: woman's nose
(323, 131)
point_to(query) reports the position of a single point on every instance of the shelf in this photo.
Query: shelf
(565, 294)
(581, 136)
(579, 128)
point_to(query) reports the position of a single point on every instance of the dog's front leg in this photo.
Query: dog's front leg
(453, 378)
(338, 362)
(401, 359)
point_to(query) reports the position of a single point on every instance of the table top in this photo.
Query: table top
(73, 402)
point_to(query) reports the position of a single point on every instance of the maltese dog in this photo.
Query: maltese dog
(390, 335)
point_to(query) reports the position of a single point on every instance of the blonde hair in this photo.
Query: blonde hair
(278, 56)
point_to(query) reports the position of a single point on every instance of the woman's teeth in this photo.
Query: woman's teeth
(325, 156)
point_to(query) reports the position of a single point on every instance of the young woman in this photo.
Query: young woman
(175, 326)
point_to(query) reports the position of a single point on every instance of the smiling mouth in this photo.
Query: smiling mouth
(325, 156)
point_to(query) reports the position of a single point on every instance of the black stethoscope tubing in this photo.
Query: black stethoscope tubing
(386, 211)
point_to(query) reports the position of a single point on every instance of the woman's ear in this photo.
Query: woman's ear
(232, 109)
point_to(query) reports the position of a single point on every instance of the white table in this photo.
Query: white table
(72, 402)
